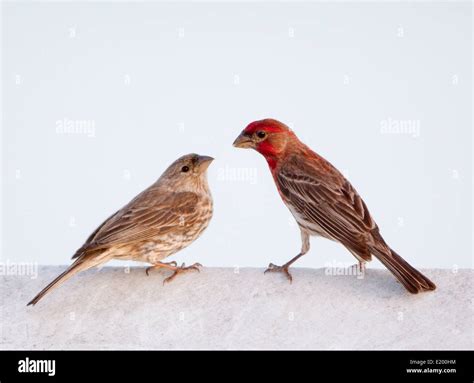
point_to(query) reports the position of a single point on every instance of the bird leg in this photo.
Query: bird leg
(160, 265)
(284, 269)
(360, 269)
(182, 269)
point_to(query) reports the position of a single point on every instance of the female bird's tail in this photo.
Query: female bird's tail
(414, 281)
(77, 266)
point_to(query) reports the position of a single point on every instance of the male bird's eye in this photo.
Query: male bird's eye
(261, 134)
(185, 169)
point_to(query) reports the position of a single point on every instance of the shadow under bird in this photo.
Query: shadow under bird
(163, 219)
(323, 202)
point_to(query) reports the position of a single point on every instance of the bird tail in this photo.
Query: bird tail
(77, 266)
(414, 281)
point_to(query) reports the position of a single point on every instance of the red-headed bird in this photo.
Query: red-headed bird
(323, 202)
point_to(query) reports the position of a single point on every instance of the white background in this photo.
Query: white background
(158, 80)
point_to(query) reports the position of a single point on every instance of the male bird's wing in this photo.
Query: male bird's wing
(152, 213)
(322, 196)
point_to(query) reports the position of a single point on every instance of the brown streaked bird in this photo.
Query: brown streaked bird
(163, 219)
(323, 202)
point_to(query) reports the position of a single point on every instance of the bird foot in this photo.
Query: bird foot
(360, 267)
(359, 270)
(279, 269)
(182, 269)
(161, 265)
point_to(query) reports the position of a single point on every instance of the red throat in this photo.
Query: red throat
(270, 154)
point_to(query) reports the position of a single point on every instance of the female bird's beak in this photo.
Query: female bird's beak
(243, 141)
(204, 162)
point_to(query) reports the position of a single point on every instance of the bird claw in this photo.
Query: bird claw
(182, 269)
(279, 269)
(159, 266)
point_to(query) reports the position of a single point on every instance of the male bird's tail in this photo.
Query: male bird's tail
(77, 266)
(411, 278)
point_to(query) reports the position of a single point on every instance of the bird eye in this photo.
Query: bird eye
(185, 169)
(261, 134)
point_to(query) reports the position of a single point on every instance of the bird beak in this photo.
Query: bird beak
(243, 141)
(204, 162)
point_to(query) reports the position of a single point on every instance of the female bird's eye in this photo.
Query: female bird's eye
(261, 134)
(185, 169)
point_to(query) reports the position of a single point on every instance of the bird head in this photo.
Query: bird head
(188, 172)
(268, 137)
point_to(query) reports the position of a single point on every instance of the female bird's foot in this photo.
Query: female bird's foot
(279, 269)
(182, 269)
(162, 265)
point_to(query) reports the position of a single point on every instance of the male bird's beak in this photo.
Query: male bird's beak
(243, 141)
(204, 162)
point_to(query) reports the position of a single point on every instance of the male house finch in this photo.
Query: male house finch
(163, 219)
(323, 202)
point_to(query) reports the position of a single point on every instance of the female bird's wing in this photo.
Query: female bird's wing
(150, 214)
(322, 196)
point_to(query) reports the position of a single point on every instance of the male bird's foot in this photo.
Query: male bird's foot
(279, 269)
(162, 265)
(359, 270)
(182, 269)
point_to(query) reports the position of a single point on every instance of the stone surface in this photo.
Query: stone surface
(236, 309)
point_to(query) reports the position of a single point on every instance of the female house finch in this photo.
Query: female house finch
(323, 202)
(163, 219)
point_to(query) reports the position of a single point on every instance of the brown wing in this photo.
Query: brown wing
(152, 213)
(329, 201)
(91, 237)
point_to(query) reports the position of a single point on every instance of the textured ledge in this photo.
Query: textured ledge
(219, 308)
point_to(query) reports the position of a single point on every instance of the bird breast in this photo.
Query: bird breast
(182, 236)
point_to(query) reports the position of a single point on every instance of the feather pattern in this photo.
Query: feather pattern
(158, 222)
(148, 216)
(322, 201)
(330, 209)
